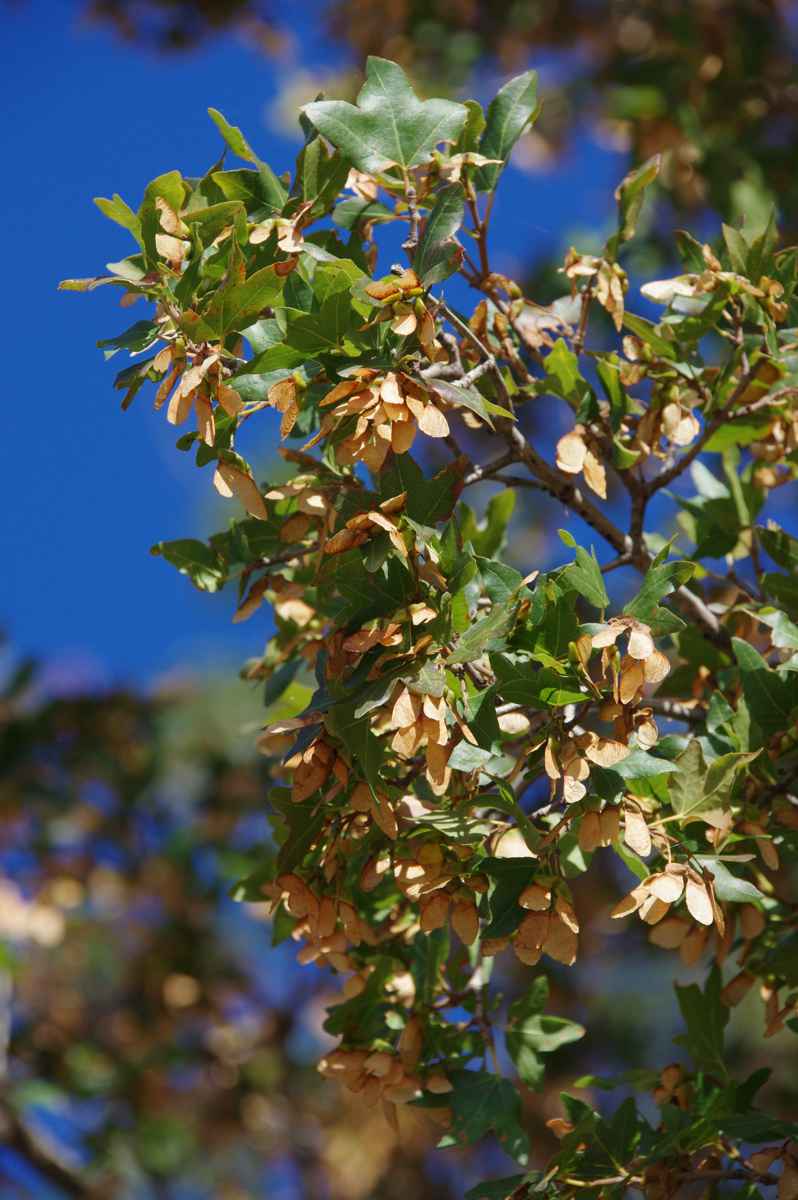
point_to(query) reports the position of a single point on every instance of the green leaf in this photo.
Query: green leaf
(485, 632)
(784, 633)
(89, 285)
(722, 772)
(364, 594)
(698, 792)
(736, 433)
(757, 1127)
(528, 1039)
(303, 822)
(429, 501)
(137, 337)
(439, 254)
(366, 750)
(771, 698)
(608, 371)
(781, 547)
(117, 210)
(500, 581)
(660, 581)
(532, 1002)
(334, 315)
(489, 536)
(737, 248)
(563, 377)
(640, 765)
(511, 875)
(630, 194)
(235, 307)
(466, 395)
(233, 136)
(482, 1102)
(783, 589)
(389, 125)
(350, 212)
(468, 141)
(728, 886)
(525, 683)
(205, 568)
(169, 187)
(262, 195)
(430, 951)
(320, 176)
(363, 1015)
(585, 577)
(468, 758)
(269, 187)
(649, 333)
(706, 1017)
(510, 113)
(530, 1032)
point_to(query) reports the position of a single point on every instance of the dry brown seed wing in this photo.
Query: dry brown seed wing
(698, 901)
(667, 888)
(465, 921)
(636, 833)
(595, 475)
(571, 451)
(230, 481)
(433, 422)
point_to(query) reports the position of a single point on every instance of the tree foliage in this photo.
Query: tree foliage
(466, 739)
(714, 85)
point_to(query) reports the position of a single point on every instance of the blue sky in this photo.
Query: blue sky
(86, 489)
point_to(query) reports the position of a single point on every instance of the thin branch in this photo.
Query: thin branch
(571, 496)
(479, 473)
(415, 218)
(676, 711)
(578, 341)
(727, 413)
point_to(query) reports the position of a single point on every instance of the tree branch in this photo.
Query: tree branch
(571, 496)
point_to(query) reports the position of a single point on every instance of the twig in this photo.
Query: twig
(578, 341)
(570, 495)
(478, 473)
(723, 415)
(676, 711)
(415, 218)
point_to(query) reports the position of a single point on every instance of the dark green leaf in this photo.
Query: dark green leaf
(771, 698)
(205, 568)
(482, 1102)
(237, 306)
(522, 682)
(630, 194)
(439, 254)
(585, 577)
(706, 1017)
(485, 633)
(510, 113)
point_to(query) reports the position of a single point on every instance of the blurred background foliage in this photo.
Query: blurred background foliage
(152, 1042)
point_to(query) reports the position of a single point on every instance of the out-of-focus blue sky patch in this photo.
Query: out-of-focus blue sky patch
(19, 1180)
(86, 489)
